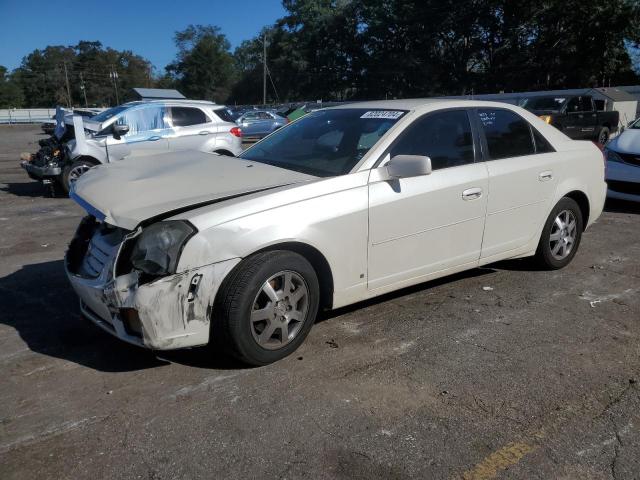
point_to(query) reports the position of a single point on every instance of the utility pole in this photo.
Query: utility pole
(66, 75)
(114, 76)
(84, 91)
(264, 69)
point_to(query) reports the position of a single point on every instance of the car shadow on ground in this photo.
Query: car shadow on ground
(26, 189)
(476, 272)
(621, 206)
(38, 302)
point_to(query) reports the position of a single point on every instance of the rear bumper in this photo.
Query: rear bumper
(38, 173)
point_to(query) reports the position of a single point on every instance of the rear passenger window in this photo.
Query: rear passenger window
(507, 134)
(445, 137)
(542, 144)
(185, 116)
(224, 115)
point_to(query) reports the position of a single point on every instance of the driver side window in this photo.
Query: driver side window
(445, 137)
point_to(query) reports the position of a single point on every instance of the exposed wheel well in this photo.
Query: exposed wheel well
(583, 202)
(86, 159)
(317, 261)
(224, 152)
(606, 125)
(319, 264)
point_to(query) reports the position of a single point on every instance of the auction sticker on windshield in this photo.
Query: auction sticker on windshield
(385, 114)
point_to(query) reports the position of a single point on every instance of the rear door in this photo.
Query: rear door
(423, 225)
(522, 180)
(192, 128)
(148, 133)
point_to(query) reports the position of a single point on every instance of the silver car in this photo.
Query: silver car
(260, 123)
(139, 129)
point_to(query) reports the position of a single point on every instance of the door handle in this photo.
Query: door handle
(545, 176)
(472, 193)
(153, 139)
(204, 132)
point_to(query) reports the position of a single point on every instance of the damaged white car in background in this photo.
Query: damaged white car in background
(345, 204)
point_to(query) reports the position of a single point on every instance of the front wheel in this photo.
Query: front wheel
(561, 235)
(267, 307)
(603, 136)
(73, 172)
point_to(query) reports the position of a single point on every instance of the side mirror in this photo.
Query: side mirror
(120, 131)
(404, 166)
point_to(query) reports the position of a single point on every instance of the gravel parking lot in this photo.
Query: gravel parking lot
(501, 372)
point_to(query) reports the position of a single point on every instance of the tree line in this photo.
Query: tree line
(358, 49)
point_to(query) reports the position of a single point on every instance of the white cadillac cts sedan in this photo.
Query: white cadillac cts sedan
(347, 203)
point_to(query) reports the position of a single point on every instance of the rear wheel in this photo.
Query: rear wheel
(561, 235)
(267, 306)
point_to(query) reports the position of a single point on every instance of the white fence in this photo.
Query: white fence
(26, 115)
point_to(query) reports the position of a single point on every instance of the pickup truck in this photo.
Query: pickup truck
(575, 115)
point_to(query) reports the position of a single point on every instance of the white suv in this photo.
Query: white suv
(143, 128)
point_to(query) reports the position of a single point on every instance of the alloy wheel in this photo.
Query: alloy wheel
(76, 172)
(279, 310)
(563, 234)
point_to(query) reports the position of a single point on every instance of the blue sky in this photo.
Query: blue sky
(144, 26)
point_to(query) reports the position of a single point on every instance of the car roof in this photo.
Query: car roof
(200, 103)
(420, 103)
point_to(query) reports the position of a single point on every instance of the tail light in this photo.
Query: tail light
(236, 132)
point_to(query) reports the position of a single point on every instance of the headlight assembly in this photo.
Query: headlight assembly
(158, 247)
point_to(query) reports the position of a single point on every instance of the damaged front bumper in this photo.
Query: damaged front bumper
(166, 313)
(37, 172)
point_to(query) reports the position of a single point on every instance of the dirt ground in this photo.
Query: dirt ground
(535, 377)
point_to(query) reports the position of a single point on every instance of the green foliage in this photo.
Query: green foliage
(204, 68)
(335, 49)
(41, 76)
(356, 49)
(10, 92)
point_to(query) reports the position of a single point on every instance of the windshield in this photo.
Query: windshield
(544, 103)
(325, 143)
(107, 114)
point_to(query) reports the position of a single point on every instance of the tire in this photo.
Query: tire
(56, 188)
(262, 340)
(603, 136)
(72, 172)
(557, 252)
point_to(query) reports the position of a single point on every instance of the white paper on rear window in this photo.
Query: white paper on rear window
(384, 114)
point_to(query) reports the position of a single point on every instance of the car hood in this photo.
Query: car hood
(128, 192)
(627, 142)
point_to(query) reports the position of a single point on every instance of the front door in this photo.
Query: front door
(423, 225)
(148, 132)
